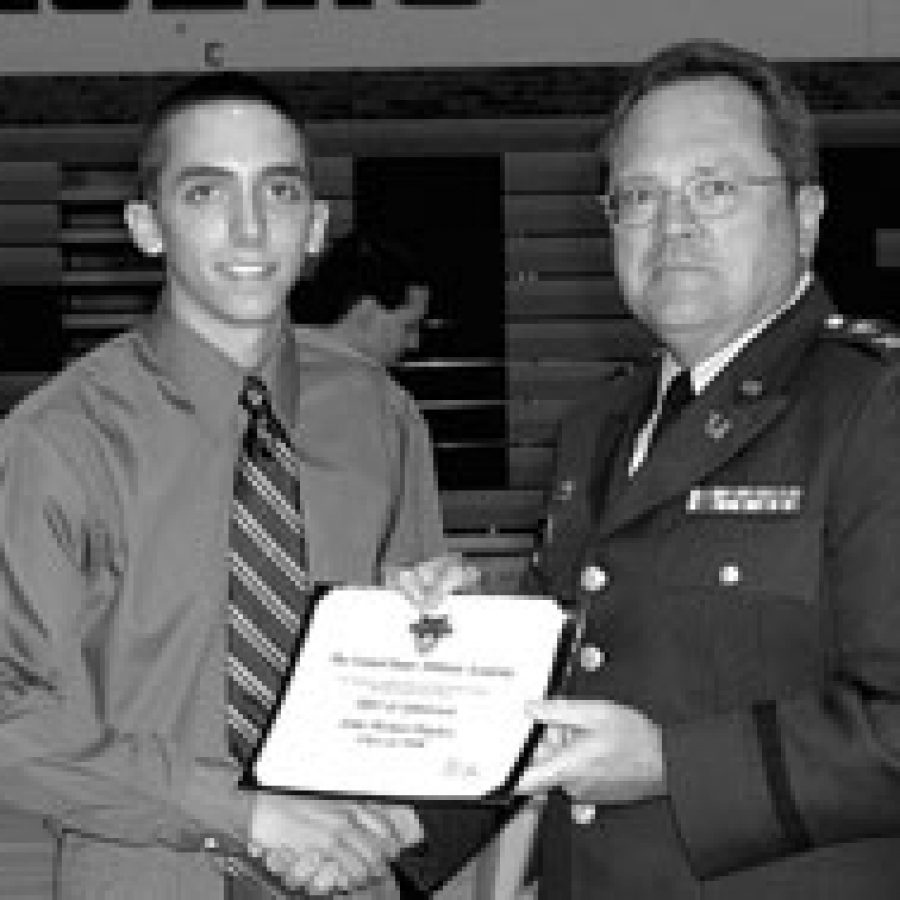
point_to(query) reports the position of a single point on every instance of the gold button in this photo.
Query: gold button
(583, 813)
(592, 658)
(594, 578)
(729, 574)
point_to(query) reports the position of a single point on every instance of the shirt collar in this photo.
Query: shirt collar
(207, 381)
(706, 370)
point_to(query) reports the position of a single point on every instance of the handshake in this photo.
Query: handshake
(328, 846)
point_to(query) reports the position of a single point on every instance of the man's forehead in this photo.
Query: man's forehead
(711, 117)
(234, 133)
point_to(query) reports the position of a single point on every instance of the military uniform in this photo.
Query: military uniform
(743, 590)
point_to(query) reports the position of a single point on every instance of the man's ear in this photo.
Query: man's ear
(140, 217)
(315, 240)
(809, 204)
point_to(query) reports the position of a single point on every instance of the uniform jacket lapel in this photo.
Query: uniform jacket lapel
(739, 405)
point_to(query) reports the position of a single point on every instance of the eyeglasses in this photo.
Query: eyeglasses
(636, 201)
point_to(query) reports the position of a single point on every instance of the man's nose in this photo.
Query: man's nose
(674, 214)
(248, 219)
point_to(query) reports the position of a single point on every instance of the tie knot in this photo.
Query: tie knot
(263, 426)
(680, 391)
(255, 397)
(678, 395)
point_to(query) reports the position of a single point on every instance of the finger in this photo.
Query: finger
(278, 860)
(302, 868)
(377, 821)
(358, 853)
(587, 714)
(406, 823)
(459, 578)
(547, 774)
(408, 583)
(329, 878)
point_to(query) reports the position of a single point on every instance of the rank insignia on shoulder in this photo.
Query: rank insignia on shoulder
(880, 336)
(746, 500)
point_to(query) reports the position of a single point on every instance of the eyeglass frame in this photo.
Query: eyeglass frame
(739, 179)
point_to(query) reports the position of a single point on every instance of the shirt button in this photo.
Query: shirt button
(729, 574)
(592, 658)
(594, 578)
(583, 813)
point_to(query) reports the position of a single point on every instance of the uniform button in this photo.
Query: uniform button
(210, 844)
(836, 320)
(751, 388)
(592, 658)
(729, 574)
(583, 813)
(594, 578)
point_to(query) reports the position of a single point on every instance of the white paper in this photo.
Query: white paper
(370, 710)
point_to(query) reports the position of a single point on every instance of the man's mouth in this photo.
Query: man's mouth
(247, 271)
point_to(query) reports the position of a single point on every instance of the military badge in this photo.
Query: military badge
(747, 500)
(428, 630)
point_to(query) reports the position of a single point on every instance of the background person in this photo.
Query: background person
(368, 294)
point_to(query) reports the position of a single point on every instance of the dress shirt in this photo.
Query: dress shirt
(115, 491)
(706, 370)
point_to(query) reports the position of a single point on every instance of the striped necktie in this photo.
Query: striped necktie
(268, 581)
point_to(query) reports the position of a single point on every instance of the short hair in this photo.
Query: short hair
(787, 121)
(353, 266)
(202, 90)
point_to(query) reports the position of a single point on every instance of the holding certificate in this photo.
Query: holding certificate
(384, 701)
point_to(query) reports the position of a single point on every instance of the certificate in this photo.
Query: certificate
(382, 701)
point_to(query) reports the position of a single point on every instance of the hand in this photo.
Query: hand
(427, 584)
(323, 845)
(597, 752)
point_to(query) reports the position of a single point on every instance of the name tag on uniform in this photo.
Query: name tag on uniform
(747, 500)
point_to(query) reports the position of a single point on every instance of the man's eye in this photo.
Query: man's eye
(197, 194)
(636, 195)
(288, 191)
(715, 188)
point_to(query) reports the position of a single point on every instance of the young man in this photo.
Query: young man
(121, 526)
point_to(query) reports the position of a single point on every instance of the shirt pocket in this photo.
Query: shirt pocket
(752, 586)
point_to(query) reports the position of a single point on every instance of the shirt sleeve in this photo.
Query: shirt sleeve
(416, 532)
(61, 570)
(815, 767)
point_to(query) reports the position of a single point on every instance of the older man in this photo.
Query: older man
(725, 525)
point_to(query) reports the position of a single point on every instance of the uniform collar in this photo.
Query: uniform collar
(708, 369)
(739, 404)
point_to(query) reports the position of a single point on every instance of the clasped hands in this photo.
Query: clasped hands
(331, 846)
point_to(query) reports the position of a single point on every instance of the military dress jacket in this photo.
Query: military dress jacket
(743, 590)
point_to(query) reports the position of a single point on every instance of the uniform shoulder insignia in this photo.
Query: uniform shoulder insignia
(876, 335)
